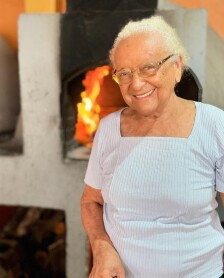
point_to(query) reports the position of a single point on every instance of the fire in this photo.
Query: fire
(88, 109)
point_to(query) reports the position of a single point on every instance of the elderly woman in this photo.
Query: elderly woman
(149, 205)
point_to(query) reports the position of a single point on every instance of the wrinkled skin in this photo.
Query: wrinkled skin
(106, 262)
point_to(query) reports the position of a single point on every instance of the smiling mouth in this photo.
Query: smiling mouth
(145, 95)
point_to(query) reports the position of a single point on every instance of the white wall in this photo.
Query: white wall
(39, 177)
(189, 24)
(214, 70)
(208, 59)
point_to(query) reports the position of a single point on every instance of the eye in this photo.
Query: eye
(123, 75)
(149, 69)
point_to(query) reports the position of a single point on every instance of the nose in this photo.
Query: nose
(137, 82)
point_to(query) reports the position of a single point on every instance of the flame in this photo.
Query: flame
(88, 109)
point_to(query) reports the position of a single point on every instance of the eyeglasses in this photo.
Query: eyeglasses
(125, 76)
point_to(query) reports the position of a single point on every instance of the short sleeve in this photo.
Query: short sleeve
(93, 176)
(219, 165)
(220, 174)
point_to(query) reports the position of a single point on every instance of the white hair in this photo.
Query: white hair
(157, 25)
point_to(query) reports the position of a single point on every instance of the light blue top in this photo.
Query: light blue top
(159, 197)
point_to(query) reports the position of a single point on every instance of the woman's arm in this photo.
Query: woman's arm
(92, 215)
(106, 261)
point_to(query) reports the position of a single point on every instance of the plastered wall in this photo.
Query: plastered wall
(39, 177)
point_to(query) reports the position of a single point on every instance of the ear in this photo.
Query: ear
(178, 72)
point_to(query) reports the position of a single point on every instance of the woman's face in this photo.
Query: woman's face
(135, 52)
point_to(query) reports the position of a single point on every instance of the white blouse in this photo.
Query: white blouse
(159, 196)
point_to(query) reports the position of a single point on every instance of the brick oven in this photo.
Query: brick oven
(55, 53)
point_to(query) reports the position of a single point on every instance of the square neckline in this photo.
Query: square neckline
(184, 139)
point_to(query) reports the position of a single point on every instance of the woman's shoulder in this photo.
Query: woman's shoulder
(212, 112)
(210, 108)
(213, 118)
(111, 120)
(108, 131)
(111, 116)
(211, 128)
(109, 125)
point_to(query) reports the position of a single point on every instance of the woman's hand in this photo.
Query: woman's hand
(106, 261)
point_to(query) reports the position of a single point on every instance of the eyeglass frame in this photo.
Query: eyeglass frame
(156, 65)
